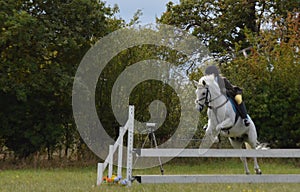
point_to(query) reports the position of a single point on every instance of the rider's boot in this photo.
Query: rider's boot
(243, 112)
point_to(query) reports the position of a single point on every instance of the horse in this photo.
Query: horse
(222, 119)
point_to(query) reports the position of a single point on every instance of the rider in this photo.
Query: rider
(230, 90)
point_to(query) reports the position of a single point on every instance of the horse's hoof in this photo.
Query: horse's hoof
(247, 173)
(258, 172)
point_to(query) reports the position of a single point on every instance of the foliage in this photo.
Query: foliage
(143, 94)
(270, 77)
(42, 44)
(222, 24)
(267, 33)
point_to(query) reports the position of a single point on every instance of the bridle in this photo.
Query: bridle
(208, 100)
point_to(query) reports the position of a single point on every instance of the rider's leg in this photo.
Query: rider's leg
(242, 109)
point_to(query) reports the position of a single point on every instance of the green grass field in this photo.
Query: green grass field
(84, 179)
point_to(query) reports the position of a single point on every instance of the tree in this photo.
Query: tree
(42, 43)
(223, 24)
(269, 30)
(219, 24)
(269, 76)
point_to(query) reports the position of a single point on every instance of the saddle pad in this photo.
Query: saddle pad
(233, 104)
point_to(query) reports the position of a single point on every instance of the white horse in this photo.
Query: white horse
(222, 119)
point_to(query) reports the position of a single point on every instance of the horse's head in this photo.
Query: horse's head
(203, 91)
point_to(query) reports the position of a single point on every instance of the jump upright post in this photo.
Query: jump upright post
(119, 144)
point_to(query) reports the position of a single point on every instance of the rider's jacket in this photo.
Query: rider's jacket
(227, 88)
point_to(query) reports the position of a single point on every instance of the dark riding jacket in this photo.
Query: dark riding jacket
(227, 88)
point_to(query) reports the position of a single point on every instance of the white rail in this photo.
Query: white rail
(278, 178)
(271, 153)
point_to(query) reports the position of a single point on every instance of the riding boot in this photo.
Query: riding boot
(243, 113)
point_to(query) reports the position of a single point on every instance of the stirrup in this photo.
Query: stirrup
(246, 122)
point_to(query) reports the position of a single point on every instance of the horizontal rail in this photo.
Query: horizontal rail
(278, 178)
(272, 153)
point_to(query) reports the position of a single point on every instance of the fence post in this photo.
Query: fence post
(130, 145)
(120, 152)
(99, 173)
(111, 159)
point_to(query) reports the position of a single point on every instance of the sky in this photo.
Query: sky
(150, 8)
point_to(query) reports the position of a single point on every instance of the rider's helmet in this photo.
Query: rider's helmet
(212, 69)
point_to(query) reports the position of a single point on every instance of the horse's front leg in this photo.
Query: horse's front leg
(210, 136)
(227, 123)
(237, 144)
(256, 167)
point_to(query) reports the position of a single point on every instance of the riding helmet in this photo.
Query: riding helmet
(212, 69)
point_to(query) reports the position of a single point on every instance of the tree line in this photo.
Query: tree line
(255, 43)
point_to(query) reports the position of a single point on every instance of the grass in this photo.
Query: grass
(83, 179)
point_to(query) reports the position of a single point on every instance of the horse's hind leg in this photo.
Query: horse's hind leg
(238, 145)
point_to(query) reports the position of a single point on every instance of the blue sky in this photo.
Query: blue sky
(150, 8)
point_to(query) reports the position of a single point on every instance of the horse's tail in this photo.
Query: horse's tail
(262, 146)
(248, 146)
(259, 146)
